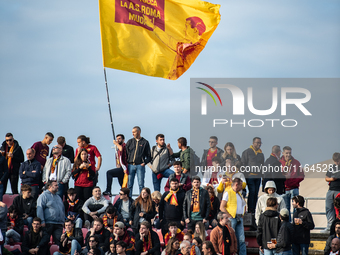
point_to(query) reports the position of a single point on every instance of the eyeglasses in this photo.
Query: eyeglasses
(56, 147)
(9, 140)
(121, 194)
(92, 241)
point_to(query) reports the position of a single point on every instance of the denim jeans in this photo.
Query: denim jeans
(78, 223)
(300, 247)
(157, 183)
(239, 232)
(14, 235)
(28, 222)
(330, 212)
(269, 251)
(1, 191)
(35, 191)
(288, 197)
(74, 246)
(253, 186)
(61, 189)
(140, 170)
(285, 253)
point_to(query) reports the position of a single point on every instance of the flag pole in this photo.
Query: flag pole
(109, 105)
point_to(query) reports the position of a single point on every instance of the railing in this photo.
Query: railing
(315, 213)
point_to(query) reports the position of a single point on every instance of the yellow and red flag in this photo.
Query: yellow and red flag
(160, 38)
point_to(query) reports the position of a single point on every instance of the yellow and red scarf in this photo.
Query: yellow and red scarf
(179, 236)
(195, 202)
(54, 164)
(71, 204)
(11, 220)
(173, 197)
(147, 245)
(255, 151)
(105, 221)
(9, 159)
(193, 250)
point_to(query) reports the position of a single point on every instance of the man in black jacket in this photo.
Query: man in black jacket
(147, 241)
(303, 224)
(171, 207)
(102, 234)
(285, 236)
(3, 175)
(138, 152)
(30, 172)
(124, 204)
(26, 205)
(253, 160)
(273, 171)
(35, 240)
(212, 152)
(331, 237)
(73, 208)
(11, 149)
(196, 206)
(269, 225)
(71, 240)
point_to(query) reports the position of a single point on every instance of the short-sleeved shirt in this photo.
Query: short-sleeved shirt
(240, 202)
(334, 172)
(93, 152)
(41, 152)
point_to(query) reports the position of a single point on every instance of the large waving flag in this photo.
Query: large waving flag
(159, 38)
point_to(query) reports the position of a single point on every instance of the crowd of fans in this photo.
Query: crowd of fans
(194, 214)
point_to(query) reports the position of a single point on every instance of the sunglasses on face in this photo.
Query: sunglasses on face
(9, 140)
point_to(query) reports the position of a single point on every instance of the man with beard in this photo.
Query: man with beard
(12, 151)
(121, 164)
(171, 206)
(294, 175)
(223, 237)
(160, 162)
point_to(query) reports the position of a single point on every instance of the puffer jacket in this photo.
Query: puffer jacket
(268, 227)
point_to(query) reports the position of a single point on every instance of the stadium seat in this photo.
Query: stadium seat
(13, 247)
(208, 234)
(160, 236)
(51, 241)
(107, 197)
(8, 199)
(115, 199)
(54, 248)
(84, 230)
(25, 229)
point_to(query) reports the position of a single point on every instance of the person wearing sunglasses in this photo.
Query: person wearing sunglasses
(124, 204)
(11, 149)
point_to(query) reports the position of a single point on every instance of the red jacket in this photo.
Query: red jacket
(294, 172)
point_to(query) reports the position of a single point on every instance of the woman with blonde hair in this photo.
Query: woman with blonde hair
(230, 153)
(200, 231)
(172, 247)
(143, 209)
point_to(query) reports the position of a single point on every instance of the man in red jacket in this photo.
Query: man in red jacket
(294, 175)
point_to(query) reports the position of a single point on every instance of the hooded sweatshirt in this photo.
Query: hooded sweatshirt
(262, 201)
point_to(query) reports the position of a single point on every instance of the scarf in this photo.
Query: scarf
(195, 202)
(106, 223)
(289, 162)
(172, 196)
(70, 233)
(127, 239)
(54, 164)
(68, 242)
(9, 159)
(258, 151)
(147, 245)
(272, 154)
(88, 172)
(179, 235)
(226, 239)
(213, 179)
(71, 204)
(193, 250)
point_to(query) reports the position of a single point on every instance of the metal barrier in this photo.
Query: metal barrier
(315, 213)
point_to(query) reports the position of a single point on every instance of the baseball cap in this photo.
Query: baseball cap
(284, 212)
(119, 224)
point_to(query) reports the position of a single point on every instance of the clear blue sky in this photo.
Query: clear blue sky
(51, 74)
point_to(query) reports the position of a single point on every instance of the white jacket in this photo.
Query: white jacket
(63, 169)
(262, 201)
